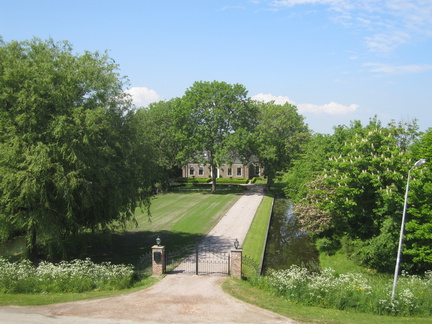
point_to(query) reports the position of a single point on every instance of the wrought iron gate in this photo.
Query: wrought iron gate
(199, 260)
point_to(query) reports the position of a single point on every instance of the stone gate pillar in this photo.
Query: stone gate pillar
(236, 263)
(158, 260)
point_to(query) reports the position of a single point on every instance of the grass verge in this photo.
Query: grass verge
(243, 291)
(54, 298)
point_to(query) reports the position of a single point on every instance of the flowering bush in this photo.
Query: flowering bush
(74, 276)
(354, 291)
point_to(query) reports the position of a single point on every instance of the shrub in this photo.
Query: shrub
(75, 276)
(193, 180)
(326, 245)
(232, 180)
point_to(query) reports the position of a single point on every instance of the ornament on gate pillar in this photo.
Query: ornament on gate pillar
(236, 260)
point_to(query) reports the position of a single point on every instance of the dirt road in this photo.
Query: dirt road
(175, 299)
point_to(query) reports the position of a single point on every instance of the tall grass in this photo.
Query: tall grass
(352, 291)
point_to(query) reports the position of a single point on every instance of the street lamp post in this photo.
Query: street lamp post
(417, 164)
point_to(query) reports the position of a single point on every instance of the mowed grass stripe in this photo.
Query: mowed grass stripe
(163, 208)
(185, 212)
(202, 217)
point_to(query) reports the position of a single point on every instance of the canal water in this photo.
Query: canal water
(287, 244)
(13, 246)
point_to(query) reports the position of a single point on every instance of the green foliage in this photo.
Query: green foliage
(418, 229)
(304, 170)
(364, 185)
(158, 128)
(379, 251)
(327, 245)
(193, 180)
(316, 157)
(232, 180)
(360, 193)
(71, 155)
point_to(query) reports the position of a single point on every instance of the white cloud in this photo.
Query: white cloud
(332, 108)
(142, 96)
(388, 41)
(398, 69)
(279, 100)
(389, 23)
(297, 2)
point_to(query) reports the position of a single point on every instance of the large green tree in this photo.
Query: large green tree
(159, 125)
(69, 159)
(216, 120)
(316, 157)
(279, 137)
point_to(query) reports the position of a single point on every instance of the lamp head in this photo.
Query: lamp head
(420, 162)
(236, 244)
(158, 240)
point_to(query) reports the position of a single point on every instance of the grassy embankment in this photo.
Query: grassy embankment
(253, 247)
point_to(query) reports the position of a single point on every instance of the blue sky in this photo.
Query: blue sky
(336, 60)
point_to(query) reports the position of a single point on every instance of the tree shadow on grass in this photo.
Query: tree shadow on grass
(127, 247)
(221, 189)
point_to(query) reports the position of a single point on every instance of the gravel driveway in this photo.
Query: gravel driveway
(174, 299)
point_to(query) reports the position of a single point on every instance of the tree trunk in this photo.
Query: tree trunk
(31, 243)
(270, 178)
(214, 177)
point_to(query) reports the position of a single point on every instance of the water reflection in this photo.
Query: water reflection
(287, 244)
(13, 246)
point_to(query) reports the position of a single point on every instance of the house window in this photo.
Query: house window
(230, 171)
(191, 171)
(201, 171)
(239, 173)
(257, 170)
